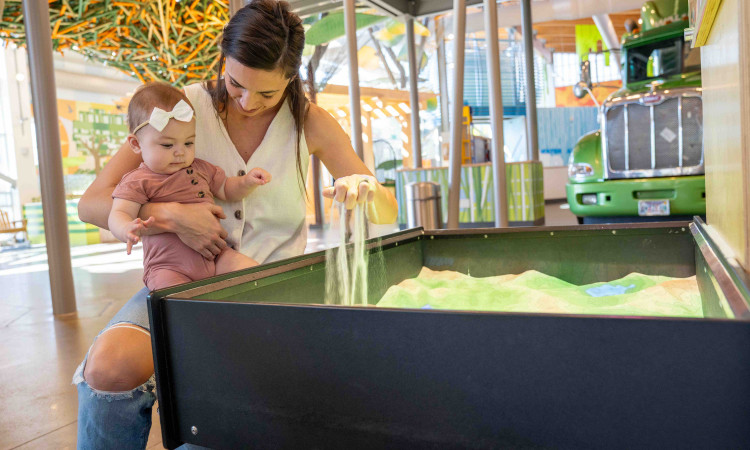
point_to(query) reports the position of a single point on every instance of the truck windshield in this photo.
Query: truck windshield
(661, 59)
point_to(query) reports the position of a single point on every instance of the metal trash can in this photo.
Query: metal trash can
(423, 205)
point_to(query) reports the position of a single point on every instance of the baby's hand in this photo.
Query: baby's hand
(257, 177)
(135, 229)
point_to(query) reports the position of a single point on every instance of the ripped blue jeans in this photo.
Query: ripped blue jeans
(116, 420)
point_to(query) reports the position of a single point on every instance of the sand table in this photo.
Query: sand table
(532, 291)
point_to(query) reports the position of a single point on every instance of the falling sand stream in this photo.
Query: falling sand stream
(347, 265)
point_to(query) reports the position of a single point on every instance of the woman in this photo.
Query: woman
(255, 112)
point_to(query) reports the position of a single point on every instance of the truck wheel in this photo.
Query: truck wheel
(580, 220)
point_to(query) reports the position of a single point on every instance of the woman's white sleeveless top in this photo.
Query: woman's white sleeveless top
(270, 223)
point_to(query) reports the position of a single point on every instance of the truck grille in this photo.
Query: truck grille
(656, 140)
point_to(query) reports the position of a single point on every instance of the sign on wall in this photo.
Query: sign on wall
(90, 134)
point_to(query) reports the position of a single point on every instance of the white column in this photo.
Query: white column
(532, 138)
(496, 113)
(442, 81)
(454, 187)
(44, 98)
(355, 113)
(607, 30)
(416, 133)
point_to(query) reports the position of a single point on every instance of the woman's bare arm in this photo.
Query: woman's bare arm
(328, 141)
(96, 203)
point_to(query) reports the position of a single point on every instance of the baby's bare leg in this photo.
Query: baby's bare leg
(230, 260)
(164, 278)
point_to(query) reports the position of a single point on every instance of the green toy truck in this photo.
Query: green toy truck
(646, 162)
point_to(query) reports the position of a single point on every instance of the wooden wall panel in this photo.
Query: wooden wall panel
(726, 112)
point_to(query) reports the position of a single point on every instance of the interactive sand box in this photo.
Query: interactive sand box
(534, 292)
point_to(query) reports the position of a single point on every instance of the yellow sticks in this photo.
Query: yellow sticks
(143, 38)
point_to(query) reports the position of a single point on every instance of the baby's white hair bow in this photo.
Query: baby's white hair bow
(160, 118)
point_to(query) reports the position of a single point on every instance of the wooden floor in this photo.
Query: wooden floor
(39, 352)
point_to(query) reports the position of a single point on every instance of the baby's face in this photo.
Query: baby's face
(170, 150)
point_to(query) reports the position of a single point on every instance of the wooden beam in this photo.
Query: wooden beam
(560, 34)
(374, 92)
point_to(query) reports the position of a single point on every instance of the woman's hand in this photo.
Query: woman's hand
(352, 189)
(197, 225)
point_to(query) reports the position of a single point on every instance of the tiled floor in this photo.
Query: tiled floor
(40, 352)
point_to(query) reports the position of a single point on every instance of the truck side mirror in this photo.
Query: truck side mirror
(584, 86)
(579, 89)
(586, 73)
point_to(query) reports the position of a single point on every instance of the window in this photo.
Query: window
(8, 194)
(661, 59)
(567, 68)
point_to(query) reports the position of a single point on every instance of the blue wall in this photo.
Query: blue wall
(560, 129)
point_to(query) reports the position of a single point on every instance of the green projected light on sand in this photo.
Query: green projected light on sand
(534, 292)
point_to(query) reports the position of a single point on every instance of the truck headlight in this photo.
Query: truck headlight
(588, 199)
(580, 170)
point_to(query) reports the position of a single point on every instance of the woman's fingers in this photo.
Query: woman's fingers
(217, 211)
(341, 190)
(351, 197)
(220, 243)
(203, 230)
(366, 192)
(214, 249)
(351, 190)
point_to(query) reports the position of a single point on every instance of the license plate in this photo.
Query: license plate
(653, 207)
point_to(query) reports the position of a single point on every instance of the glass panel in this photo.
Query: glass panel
(654, 60)
(639, 136)
(692, 131)
(616, 138)
(667, 130)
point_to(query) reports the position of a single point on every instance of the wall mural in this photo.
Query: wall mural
(90, 134)
(167, 40)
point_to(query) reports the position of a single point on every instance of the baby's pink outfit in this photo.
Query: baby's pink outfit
(167, 261)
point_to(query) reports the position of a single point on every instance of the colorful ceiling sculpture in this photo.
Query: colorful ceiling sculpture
(169, 40)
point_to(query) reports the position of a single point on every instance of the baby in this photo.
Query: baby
(162, 131)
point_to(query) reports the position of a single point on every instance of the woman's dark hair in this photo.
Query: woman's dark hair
(265, 35)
